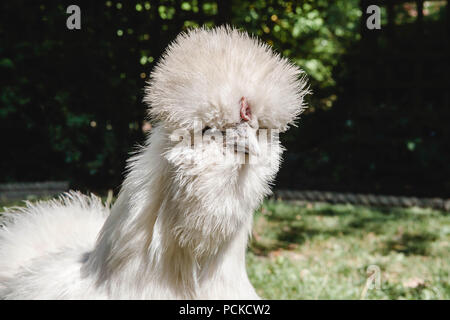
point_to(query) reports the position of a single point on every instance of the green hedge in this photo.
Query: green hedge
(71, 101)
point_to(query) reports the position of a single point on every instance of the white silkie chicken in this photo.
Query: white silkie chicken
(180, 226)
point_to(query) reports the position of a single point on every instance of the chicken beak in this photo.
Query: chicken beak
(243, 139)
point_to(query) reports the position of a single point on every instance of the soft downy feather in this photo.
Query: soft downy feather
(180, 226)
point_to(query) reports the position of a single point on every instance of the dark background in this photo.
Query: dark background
(379, 118)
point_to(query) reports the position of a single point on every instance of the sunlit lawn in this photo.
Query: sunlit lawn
(322, 251)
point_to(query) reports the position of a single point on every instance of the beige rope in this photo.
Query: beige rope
(363, 199)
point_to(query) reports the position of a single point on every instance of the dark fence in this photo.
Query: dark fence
(70, 101)
(387, 131)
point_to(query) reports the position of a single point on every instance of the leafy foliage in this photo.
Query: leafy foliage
(70, 101)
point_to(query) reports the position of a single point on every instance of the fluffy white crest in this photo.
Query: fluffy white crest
(180, 225)
(205, 73)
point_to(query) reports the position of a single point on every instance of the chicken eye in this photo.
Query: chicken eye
(206, 128)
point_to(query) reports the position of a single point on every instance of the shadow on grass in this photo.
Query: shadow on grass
(291, 226)
(288, 238)
(410, 243)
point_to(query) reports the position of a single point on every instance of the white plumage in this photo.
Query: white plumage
(180, 225)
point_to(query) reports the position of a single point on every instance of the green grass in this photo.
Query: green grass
(322, 251)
